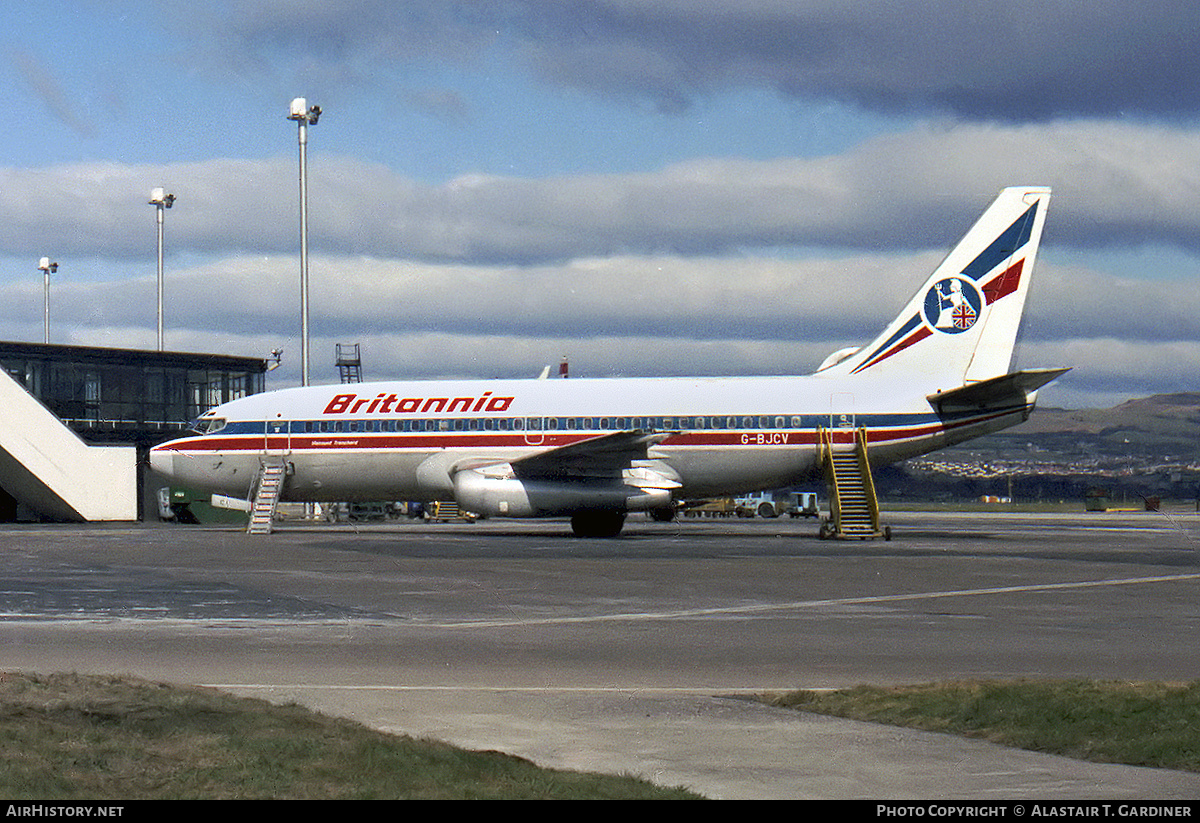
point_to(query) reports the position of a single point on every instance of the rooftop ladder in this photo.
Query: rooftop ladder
(853, 506)
(349, 362)
(271, 478)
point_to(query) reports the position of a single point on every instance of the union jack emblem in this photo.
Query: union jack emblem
(964, 317)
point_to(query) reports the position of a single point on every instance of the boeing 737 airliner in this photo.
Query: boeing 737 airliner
(596, 449)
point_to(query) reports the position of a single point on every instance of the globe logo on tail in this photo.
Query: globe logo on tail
(953, 305)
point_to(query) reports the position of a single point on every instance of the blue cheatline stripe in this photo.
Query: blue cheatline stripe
(1009, 241)
(912, 323)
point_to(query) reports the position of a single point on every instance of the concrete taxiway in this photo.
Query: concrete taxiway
(635, 655)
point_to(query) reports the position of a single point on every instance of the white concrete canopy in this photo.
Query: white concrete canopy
(46, 466)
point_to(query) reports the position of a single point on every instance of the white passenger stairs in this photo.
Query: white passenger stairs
(49, 468)
(271, 477)
(854, 508)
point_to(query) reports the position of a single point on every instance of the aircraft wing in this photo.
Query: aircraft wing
(597, 457)
(1003, 390)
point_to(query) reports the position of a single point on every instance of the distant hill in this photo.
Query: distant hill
(1139, 449)
(1169, 413)
(1163, 426)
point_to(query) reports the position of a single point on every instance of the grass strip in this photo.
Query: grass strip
(1137, 724)
(68, 736)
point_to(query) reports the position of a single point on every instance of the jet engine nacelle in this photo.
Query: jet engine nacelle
(492, 496)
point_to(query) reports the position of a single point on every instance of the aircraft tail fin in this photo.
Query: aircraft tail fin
(961, 325)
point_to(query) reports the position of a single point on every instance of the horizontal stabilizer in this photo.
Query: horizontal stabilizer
(996, 391)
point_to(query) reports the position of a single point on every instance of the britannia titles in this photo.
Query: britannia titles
(391, 404)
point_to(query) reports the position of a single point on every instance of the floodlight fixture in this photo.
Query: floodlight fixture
(301, 111)
(158, 198)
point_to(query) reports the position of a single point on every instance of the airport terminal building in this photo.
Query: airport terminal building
(118, 402)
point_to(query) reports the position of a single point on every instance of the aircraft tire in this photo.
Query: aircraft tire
(597, 523)
(665, 515)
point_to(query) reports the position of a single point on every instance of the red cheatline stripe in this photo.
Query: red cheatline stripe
(916, 337)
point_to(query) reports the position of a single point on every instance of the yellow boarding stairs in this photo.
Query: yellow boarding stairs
(853, 507)
(271, 477)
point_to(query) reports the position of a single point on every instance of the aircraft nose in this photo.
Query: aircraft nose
(162, 460)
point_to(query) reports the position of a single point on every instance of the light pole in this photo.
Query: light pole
(160, 201)
(304, 115)
(46, 268)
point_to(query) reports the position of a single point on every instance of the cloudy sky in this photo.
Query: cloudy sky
(648, 187)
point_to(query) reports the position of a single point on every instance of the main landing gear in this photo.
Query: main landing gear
(597, 523)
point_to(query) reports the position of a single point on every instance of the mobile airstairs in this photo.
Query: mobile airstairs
(853, 506)
(268, 488)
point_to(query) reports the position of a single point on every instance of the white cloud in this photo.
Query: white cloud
(1115, 185)
(711, 298)
(1071, 301)
(624, 315)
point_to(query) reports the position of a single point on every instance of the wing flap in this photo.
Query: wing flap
(605, 456)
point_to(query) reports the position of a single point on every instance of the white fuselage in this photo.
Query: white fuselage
(375, 441)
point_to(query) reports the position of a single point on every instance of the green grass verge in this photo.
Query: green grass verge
(85, 737)
(1130, 506)
(1138, 724)
(976, 506)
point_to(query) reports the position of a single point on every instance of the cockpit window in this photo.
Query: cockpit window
(208, 425)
